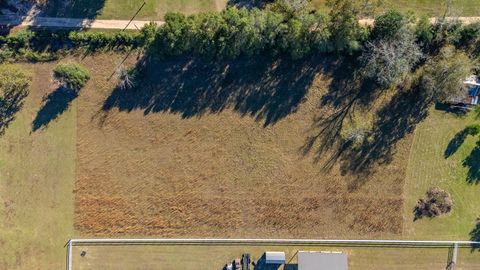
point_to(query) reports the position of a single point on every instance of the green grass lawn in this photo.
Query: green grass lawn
(424, 7)
(125, 9)
(36, 183)
(428, 167)
(155, 9)
(189, 257)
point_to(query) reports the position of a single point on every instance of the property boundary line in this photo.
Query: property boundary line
(273, 242)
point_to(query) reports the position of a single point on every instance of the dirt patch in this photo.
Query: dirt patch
(179, 158)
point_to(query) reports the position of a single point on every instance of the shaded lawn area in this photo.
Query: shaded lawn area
(36, 182)
(74, 9)
(54, 105)
(438, 159)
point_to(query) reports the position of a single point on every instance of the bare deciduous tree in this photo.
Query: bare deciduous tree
(388, 61)
(126, 78)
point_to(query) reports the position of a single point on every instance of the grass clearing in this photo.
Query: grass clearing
(36, 182)
(155, 9)
(428, 167)
(125, 9)
(462, 8)
(200, 161)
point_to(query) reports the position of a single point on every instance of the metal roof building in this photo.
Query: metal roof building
(274, 257)
(313, 260)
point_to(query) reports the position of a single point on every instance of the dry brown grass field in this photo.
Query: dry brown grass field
(223, 149)
(210, 150)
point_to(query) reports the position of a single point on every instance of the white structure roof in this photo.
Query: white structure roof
(313, 260)
(273, 257)
(472, 80)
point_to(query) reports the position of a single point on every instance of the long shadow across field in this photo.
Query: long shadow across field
(347, 92)
(472, 162)
(475, 235)
(88, 9)
(10, 103)
(54, 105)
(263, 88)
(455, 143)
(393, 122)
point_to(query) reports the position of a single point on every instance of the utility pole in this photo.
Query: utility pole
(144, 3)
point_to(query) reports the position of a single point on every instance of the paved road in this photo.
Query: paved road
(9, 20)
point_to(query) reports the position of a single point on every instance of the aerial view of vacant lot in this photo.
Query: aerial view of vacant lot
(291, 121)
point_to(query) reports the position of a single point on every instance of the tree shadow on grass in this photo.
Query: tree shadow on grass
(393, 122)
(349, 91)
(54, 105)
(455, 143)
(88, 9)
(475, 235)
(10, 104)
(263, 88)
(344, 94)
(248, 3)
(472, 162)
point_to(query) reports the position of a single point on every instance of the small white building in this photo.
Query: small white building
(314, 260)
(274, 257)
(473, 91)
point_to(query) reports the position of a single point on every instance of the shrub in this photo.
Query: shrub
(126, 77)
(236, 32)
(147, 34)
(446, 32)
(71, 75)
(356, 136)
(14, 86)
(435, 203)
(472, 130)
(470, 34)
(386, 26)
(443, 75)
(20, 39)
(292, 8)
(346, 32)
(424, 31)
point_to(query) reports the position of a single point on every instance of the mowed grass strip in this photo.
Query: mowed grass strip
(204, 149)
(428, 167)
(190, 257)
(422, 7)
(126, 9)
(36, 181)
(156, 9)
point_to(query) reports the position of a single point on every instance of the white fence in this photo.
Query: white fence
(226, 241)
